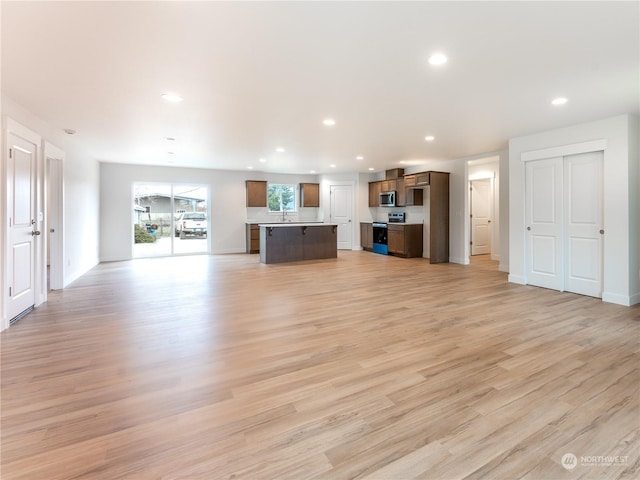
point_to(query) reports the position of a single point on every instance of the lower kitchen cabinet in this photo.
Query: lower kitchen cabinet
(366, 236)
(405, 240)
(253, 238)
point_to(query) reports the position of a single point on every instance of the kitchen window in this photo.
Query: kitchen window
(281, 198)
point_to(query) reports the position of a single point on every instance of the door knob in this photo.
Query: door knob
(35, 233)
(528, 228)
(601, 232)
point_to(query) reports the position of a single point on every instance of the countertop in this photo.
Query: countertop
(282, 223)
(299, 224)
(398, 223)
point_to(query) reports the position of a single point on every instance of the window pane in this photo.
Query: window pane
(281, 198)
(152, 220)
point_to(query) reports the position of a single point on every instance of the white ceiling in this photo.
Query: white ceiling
(256, 76)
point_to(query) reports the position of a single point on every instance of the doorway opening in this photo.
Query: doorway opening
(170, 219)
(483, 225)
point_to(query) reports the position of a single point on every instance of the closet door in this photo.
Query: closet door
(543, 220)
(584, 225)
(564, 223)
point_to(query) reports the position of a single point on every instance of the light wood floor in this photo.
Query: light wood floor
(367, 366)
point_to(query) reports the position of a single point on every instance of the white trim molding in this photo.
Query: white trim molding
(564, 150)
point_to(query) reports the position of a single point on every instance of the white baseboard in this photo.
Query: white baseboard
(516, 279)
(625, 300)
(504, 267)
(459, 260)
(495, 256)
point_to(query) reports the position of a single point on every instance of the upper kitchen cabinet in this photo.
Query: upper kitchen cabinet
(256, 193)
(309, 194)
(423, 179)
(374, 193)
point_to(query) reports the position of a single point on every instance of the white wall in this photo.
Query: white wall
(620, 202)
(634, 210)
(228, 212)
(81, 186)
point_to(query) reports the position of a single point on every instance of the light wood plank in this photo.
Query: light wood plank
(365, 366)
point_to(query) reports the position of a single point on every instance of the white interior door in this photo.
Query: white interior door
(54, 216)
(22, 223)
(543, 220)
(481, 216)
(341, 214)
(583, 218)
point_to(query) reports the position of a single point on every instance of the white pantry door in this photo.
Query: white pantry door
(341, 214)
(22, 223)
(480, 216)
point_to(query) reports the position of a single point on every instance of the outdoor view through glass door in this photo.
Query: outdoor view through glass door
(169, 219)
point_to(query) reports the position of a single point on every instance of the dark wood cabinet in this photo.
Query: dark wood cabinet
(253, 238)
(405, 240)
(309, 194)
(394, 173)
(409, 180)
(256, 193)
(438, 217)
(374, 193)
(423, 178)
(366, 236)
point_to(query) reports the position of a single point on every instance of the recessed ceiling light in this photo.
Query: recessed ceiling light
(559, 101)
(359, 157)
(429, 138)
(312, 171)
(262, 160)
(437, 59)
(329, 122)
(280, 150)
(250, 167)
(333, 165)
(69, 131)
(171, 97)
(371, 169)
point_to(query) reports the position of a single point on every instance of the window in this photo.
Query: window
(281, 198)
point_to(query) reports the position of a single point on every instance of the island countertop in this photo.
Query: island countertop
(299, 224)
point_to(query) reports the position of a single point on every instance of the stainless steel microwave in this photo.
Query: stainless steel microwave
(388, 199)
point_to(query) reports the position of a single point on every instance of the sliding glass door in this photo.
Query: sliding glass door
(169, 219)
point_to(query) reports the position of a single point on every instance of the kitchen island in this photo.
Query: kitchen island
(294, 242)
